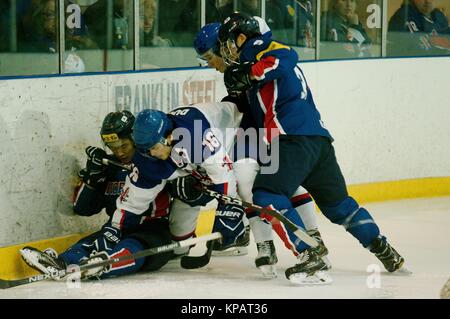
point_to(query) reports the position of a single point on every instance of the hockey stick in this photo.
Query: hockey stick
(186, 262)
(299, 232)
(107, 161)
(143, 253)
(204, 260)
(194, 262)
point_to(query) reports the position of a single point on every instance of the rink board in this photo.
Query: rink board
(12, 266)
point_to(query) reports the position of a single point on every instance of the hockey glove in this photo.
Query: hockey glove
(237, 78)
(188, 189)
(95, 169)
(109, 237)
(229, 222)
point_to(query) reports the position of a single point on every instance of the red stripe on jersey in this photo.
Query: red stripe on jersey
(123, 263)
(122, 218)
(262, 67)
(267, 97)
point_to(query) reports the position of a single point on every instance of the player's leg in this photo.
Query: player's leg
(245, 171)
(47, 263)
(303, 203)
(327, 185)
(182, 223)
(241, 170)
(295, 162)
(152, 233)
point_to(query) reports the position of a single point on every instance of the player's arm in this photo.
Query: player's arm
(88, 201)
(269, 66)
(274, 64)
(136, 198)
(89, 196)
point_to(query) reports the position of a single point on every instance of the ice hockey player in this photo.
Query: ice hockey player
(281, 103)
(100, 188)
(247, 165)
(188, 147)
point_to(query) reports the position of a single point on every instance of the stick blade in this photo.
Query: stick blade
(194, 262)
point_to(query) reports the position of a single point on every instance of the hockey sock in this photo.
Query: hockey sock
(282, 204)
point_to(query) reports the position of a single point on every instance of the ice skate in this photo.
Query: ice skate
(267, 259)
(311, 270)
(43, 262)
(321, 250)
(390, 258)
(95, 272)
(238, 249)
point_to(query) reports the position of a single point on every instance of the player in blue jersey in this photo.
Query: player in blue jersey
(281, 103)
(418, 28)
(247, 164)
(186, 149)
(100, 187)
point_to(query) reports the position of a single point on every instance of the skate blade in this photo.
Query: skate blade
(318, 278)
(233, 251)
(268, 271)
(402, 271)
(327, 262)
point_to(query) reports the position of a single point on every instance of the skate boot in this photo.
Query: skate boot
(322, 250)
(311, 269)
(238, 249)
(266, 259)
(95, 272)
(43, 262)
(390, 258)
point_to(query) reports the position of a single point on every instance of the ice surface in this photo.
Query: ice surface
(419, 229)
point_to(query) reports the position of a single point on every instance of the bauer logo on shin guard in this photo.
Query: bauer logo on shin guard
(228, 213)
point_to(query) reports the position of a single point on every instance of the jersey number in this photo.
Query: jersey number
(301, 77)
(210, 141)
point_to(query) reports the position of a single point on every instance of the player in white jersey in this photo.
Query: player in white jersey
(184, 150)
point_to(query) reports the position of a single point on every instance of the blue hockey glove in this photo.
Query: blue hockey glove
(107, 239)
(95, 172)
(237, 78)
(188, 189)
(229, 222)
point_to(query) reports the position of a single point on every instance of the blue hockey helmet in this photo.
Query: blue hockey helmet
(207, 39)
(150, 127)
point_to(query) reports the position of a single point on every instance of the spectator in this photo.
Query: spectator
(96, 20)
(148, 38)
(341, 24)
(40, 28)
(418, 28)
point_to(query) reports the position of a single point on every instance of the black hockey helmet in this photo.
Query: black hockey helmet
(117, 125)
(236, 23)
(232, 26)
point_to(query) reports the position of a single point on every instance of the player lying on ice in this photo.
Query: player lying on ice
(100, 188)
(140, 220)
